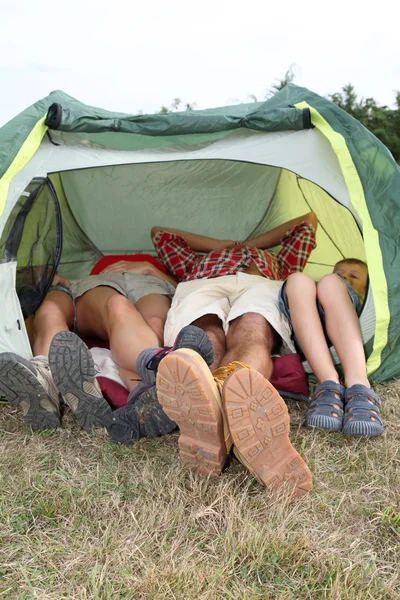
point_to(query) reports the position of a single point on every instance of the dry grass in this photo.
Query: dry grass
(81, 518)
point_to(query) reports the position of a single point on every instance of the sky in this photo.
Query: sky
(139, 55)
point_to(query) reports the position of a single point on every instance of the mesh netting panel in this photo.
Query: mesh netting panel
(32, 237)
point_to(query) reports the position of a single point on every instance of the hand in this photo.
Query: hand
(143, 267)
(226, 244)
(58, 280)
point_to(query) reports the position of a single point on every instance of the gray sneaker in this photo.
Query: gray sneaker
(73, 371)
(29, 384)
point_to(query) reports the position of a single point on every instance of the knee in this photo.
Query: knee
(211, 324)
(48, 312)
(329, 285)
(157, 325)
(117, 306)
(299, 283)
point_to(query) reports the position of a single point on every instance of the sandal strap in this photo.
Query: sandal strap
(328, 394)
(362, 404)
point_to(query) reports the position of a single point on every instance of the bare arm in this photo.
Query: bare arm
(142, 267)
(273, 237)
(198, 243)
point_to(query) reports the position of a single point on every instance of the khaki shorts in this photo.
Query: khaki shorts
(228, 297)
(131, 285)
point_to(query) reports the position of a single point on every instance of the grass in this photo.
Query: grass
(81, 518)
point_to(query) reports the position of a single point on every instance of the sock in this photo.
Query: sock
(147, 376)
(41, 358)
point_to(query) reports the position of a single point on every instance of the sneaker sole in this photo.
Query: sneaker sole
(189, 396)
(194, 338)
(259, 423)
(73, 371)
(21, 388)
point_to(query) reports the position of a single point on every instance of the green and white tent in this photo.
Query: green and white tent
(78, 182)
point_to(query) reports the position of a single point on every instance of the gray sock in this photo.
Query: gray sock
(147, 376)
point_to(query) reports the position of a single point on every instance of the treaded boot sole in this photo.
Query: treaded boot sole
(259, 423)
(194, 338)
(188, 395)
(73, 371)
(21, 388)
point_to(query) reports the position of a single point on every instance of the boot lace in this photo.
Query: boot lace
(222, 373)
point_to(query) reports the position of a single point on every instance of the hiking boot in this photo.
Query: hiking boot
(73, 371)
(29, 384)
(259, 424)
(143, 418)
(190, 397)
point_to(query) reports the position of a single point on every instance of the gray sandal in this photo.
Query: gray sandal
(325, 410)
(362, 417)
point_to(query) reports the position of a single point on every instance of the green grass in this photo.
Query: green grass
(82, 518)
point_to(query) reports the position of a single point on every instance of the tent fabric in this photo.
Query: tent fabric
(299, 145)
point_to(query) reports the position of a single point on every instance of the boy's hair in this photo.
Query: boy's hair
(352, 261)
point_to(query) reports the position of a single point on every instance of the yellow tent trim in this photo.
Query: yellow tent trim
(25, 153)
(372, 247)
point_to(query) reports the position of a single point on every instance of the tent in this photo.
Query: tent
(78, 182)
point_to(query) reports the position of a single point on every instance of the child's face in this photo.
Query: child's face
(355, 275)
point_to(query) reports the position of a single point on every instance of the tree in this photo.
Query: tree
(288, 78)
(380, 120)
(176, 105)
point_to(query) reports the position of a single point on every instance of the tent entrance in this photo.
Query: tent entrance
(33, 238)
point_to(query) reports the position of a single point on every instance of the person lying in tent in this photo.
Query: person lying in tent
(127, 305)
(326, 314)
(231, 292)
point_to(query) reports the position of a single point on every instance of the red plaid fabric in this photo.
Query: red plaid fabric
(186, 265)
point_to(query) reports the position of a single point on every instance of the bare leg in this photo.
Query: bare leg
(302, 294)
(55, 314)
(250, 340)
(212, 326)
(104, 313)
(154, 309)
(343, 328)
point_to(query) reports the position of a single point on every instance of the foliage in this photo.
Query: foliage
(277, 87)
(176, 105)
(382, 121)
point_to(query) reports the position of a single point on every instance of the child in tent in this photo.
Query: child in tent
(326, 314)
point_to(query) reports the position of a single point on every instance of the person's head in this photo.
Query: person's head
(354, 272)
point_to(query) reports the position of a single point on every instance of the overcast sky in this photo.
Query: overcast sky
(138, 55)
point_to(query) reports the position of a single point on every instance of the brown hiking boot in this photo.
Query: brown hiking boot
(190, 397)
(259, 423)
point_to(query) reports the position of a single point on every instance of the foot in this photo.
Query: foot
(190, 397)
(362, 417)
(144, 418)
(190, 337)
(73, 371)
(325, 410)
(259, 424)
(29, 384)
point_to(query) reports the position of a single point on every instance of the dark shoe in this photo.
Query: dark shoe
(190, 337)
(144, 418)
(325, 410)
(259, 424)
(362, 416)
(29, 384)
(73, 371)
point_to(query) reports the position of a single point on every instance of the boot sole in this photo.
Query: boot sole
(194, 338)
(188, 394)
(20, 387)
(73, 371)
(259, 423)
